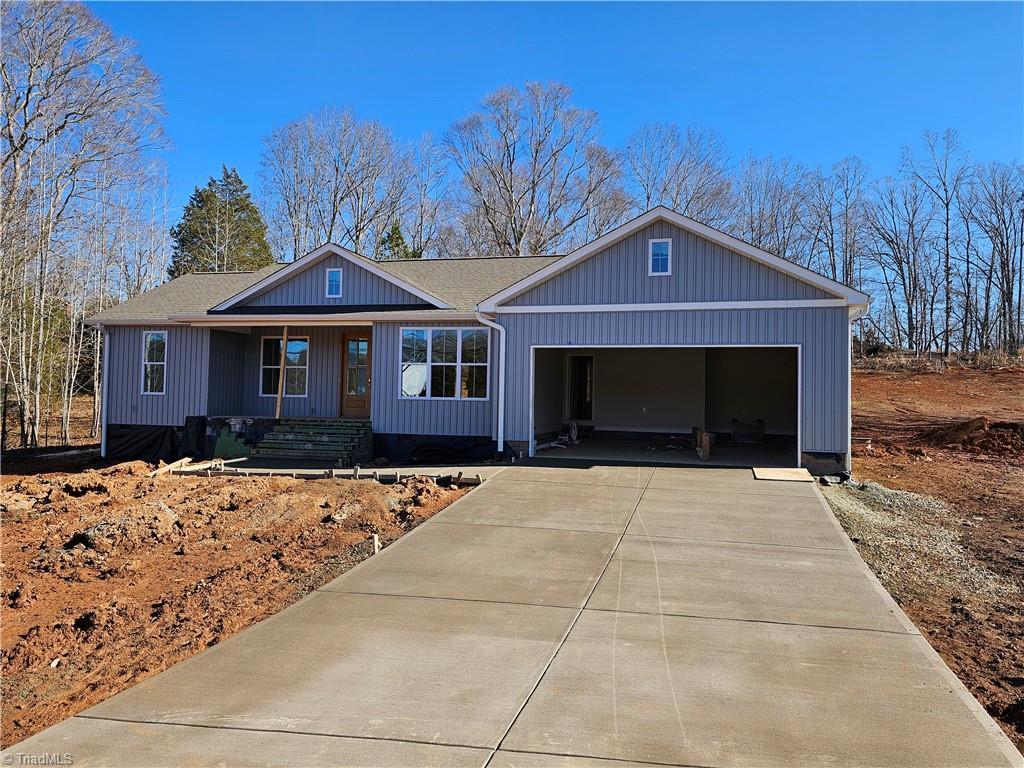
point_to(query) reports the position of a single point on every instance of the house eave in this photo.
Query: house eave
(320, 318)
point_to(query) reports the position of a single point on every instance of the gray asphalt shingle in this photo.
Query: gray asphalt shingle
(462, 283)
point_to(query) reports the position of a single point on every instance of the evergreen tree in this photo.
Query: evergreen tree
(393, 245)
(221, 230)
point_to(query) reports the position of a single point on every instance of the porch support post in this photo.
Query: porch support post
(280, 374)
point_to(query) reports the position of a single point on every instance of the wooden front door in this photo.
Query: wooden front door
(355, 375)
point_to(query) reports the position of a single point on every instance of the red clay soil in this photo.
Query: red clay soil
(958, 436)
(110, 576)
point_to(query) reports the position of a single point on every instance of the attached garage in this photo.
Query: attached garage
(651, 403)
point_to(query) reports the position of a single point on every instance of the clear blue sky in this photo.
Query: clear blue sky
(813, 81)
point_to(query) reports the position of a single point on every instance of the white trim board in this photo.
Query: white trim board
(701, 230)
(312, 258)
(672, 306)
(328, 318)
(799, 378)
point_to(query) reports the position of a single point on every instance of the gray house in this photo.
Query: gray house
(658, 328)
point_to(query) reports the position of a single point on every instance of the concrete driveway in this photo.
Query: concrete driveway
(609, 616)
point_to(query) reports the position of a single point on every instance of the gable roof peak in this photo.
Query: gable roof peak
(663, 213)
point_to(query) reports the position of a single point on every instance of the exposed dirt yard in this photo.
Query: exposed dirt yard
(110, 576)
(952, 550)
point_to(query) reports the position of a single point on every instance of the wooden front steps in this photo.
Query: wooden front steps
(344, 441)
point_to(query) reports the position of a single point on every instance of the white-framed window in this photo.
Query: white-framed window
(444, 363)
(296, 366)
(154, 362)
(332, 286)
(659, 257)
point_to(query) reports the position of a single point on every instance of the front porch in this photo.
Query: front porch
(340, 442)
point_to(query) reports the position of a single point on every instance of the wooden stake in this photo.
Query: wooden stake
(376, 543)
(280, 374)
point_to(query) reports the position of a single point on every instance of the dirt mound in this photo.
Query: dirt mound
(978, 435)
(111, 576)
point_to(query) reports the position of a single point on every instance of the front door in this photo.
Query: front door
(355, 375)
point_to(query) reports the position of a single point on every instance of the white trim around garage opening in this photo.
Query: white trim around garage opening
(799, 377)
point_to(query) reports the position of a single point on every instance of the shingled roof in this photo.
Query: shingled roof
(462, 283)
(195, 292)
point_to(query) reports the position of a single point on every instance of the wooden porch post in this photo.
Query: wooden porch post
(280, 374)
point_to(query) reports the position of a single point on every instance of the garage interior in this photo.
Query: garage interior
(738, 405)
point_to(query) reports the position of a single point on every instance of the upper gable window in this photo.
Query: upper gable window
(659, 257)
(333, 290)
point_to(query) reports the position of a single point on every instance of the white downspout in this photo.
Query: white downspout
(104, 378)
(501, 377)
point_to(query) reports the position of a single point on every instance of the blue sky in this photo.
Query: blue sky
(812, 81)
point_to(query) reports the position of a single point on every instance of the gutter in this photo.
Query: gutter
(501, 376)
(105, 377)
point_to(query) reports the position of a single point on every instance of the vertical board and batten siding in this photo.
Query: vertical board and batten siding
(185, 378)
(394, 415)
(701, 271)
(308, 288)
(227, 373)
(323, 374)
(820, 332)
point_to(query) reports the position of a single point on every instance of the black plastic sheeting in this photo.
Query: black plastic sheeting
(151, 444)
(433, 449)
(195, 443)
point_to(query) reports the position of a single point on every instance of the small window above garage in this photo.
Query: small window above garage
(659, 257)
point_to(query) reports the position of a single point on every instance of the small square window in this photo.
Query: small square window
(659, 257)
(333, 284)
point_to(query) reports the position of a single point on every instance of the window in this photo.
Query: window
(659, 257)
(154, 362)
(444, 363)
(333, 284)
(296, 365)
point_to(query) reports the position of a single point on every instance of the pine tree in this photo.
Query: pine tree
(221, 230)
(393, 245)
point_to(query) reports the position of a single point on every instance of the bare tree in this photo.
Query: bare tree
(942, 171)
(899, 219)
(686, 171)
(531, 166)
(998, 210)
(331, 177)
(834, 219)
(769, 205)
(79, 108)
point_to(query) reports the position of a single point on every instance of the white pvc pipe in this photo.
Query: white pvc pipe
(501, 377)
(104, 377)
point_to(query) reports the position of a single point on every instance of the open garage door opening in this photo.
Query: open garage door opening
(724, 406)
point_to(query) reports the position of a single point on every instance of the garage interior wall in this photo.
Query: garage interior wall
(752, 383)
(672, 390)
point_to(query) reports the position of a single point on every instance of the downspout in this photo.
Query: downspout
(501, 377)
(854, 313)
(104, 378)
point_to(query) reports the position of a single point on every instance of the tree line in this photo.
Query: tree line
(84, 220)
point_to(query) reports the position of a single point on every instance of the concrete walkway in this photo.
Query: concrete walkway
(610, 616)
